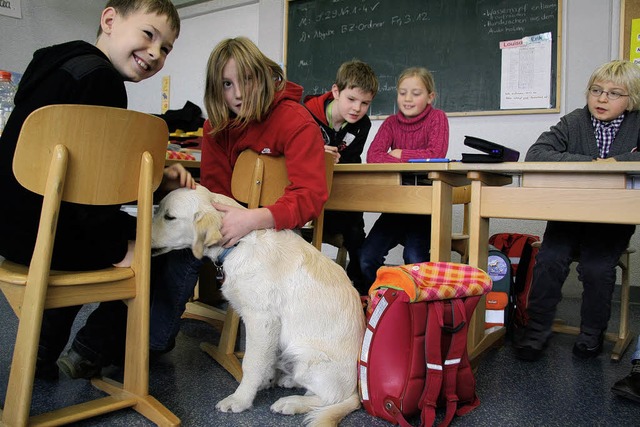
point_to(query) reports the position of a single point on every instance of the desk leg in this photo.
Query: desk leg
(479, 340)
(441, 213)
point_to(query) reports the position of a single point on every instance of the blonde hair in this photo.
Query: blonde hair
(159, 7)
(423, 74)
(621, 73)
(260, 78)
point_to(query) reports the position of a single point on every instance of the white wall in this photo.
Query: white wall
(590, 36)
(45, 23)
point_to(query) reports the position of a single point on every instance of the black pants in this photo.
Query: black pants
(597, 247)
(109, 320)
(351, 226)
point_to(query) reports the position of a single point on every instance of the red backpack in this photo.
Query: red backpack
(414, 354)
(522, 254)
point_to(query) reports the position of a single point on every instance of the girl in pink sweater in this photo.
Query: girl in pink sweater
(416, 131)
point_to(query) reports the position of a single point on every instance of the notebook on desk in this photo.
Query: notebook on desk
(493, 153)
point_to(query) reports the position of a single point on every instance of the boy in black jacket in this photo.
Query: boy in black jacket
(134, 39)
(342, 116)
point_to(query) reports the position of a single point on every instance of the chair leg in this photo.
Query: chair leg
(17, 403)
(224, 353)
(341, 257)
(623, 337)
(136, 367)
(206, 293)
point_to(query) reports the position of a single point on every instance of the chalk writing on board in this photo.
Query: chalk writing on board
(458, 40)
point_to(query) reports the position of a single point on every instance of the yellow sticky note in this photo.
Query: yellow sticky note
(634, 42)
(166, 89)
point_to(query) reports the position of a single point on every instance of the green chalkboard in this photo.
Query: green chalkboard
(458, 40)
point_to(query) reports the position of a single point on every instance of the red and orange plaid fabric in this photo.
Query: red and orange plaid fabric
(427, 281)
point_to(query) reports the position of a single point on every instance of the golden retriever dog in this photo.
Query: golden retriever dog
(303, 318)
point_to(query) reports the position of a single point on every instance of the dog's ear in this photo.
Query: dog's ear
(207, 231)
(223, 200)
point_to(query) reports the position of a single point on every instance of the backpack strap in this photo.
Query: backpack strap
(395, 412)
(442, 377)
(457, 346)
(433, 359)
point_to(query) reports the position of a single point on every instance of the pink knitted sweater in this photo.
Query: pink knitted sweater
(422, 137)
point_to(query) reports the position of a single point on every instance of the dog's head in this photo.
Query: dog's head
(186, 218)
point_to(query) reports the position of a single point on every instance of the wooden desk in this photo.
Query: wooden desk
(377, 187)
(559, 191)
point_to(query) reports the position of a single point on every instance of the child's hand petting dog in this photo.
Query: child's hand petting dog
(238, 222)
(176, 176)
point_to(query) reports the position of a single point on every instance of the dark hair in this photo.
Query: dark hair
(356, 73)
(159, 7)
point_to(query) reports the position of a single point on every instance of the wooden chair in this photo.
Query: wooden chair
(98, 156)
(257, 180)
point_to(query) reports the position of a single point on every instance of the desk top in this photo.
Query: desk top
(391, 167)
(508, 168)
(515, 168)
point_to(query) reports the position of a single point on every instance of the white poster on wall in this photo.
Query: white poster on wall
(11, 8)
(526, 72)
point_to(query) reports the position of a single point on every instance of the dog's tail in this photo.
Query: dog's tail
(331, 415)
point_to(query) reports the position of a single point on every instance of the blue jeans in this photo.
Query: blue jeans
(597, 248)
(389, 231)
(173, 279)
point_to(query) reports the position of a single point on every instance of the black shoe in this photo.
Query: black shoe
(587, 346)
(629, 386)
(76, 366)
(46, 370)
(530, 346)
(528, 353)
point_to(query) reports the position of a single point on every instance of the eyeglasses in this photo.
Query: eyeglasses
(596, 92)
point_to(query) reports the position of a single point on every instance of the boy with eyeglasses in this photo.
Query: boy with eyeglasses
(606, 129)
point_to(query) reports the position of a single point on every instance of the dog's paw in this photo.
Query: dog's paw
(232, 404)
(291, 405)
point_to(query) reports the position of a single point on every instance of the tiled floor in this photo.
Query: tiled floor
(558, 390)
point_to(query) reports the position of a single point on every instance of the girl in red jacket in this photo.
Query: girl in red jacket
(416, 131)
(251, 106)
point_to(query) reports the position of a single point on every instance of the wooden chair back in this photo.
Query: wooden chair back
(98, 156)
(260, 180)
(94, 141)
